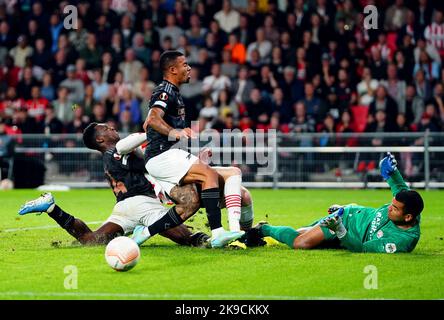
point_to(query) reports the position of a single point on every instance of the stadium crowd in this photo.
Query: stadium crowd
(294, 66)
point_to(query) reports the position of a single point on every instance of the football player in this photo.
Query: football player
(165, 126)
(393, 227)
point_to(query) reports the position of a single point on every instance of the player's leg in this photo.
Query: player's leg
(74, 226)
(177, 167)
(295, 239)
(183, 236)
(232, 180)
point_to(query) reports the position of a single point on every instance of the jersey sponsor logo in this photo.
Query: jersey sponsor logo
(390, 248)
(117, 156)
(375, 223)
(380, 234)
(163, 96)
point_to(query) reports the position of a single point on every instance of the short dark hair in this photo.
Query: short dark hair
(168, 58)
(412, 200)
(89, 136)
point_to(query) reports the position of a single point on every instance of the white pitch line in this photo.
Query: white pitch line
(169, 296)
(43, 227)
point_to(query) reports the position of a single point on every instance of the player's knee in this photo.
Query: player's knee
(235, 171)
(209, 173)
(246, 197)
(300, 243)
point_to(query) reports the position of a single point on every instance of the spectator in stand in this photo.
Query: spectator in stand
(395, 87)
(242, 86)
(100, 87)
(37, 104)
(380, 124)
(313, 105)
(51, 124)
(292, 88)
(209, 112)
(385, 103)
(63, 105)
(236, 49)
(27, 82)
(431, 68)
(130, 68)
(78, 35)
(142, 83)
(226, 105)
(91, 53)
(438, 101)
(55, 29)
(302, 123)
(422, 85)
(258, 110)
(81, 72)
(270, 31)
(88, 101)
(128, 103)
(367, 87)
(99, 113)
(21, 51)
(171, 30)
(244, 33)
(429, 48)
(262, 45)
(281, 108)
(141, 52)
(48, 91)
(227, 67)
(228, 18)
(215, 83)
(108, 67)
(23, 122)
(414, 106)
(41, 56)
(378, 66)
(434, 33)
(150, 34)
(79, 122)
(267, 83)
(75, 86)
(196, 33)
(395, 16)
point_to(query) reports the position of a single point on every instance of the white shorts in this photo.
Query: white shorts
(137, 210)
(169, 167)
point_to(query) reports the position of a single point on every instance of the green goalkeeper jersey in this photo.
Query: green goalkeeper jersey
(371, 230)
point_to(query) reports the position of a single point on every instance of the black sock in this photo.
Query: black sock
(170, 220)
(210, 199)
(63, 218)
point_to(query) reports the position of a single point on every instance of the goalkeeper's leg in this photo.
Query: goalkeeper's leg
(305, 238)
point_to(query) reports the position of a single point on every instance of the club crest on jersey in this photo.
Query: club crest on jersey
(379, 234)
(163, 96)
(117, 156)
(390, 248)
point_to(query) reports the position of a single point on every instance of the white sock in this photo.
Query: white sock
(232, 191)
(216, 232)
(247, 217)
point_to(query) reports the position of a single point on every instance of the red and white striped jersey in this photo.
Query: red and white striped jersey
(434, 33)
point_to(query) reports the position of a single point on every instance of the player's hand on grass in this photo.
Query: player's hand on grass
(334, 222)
(388, 165)
(334, 207)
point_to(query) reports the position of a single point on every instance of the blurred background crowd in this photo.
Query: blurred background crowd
(293, 66)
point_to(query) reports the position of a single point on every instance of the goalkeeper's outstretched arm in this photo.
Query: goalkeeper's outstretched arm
(390, 173)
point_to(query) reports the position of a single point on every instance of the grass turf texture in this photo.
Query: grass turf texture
(32, 262)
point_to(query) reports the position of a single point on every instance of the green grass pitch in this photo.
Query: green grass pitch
(35, 253)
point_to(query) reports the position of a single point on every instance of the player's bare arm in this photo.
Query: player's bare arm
(155, 120)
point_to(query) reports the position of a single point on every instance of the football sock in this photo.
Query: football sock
(247, 216)
(170, 220)
(210, 201)
(63, 218)
(232, 191)
(282, 234)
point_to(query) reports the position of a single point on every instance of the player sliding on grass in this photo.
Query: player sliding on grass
(236, 198)
(391, 228)
(165, 125)
(136, 200)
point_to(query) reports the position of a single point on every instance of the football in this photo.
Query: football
(122, 254)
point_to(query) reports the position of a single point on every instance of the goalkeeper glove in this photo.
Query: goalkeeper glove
(388, 166)
(334, 222)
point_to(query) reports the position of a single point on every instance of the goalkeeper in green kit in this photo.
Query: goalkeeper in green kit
(394, 227)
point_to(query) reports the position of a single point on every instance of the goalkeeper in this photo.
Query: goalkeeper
(394, 227)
